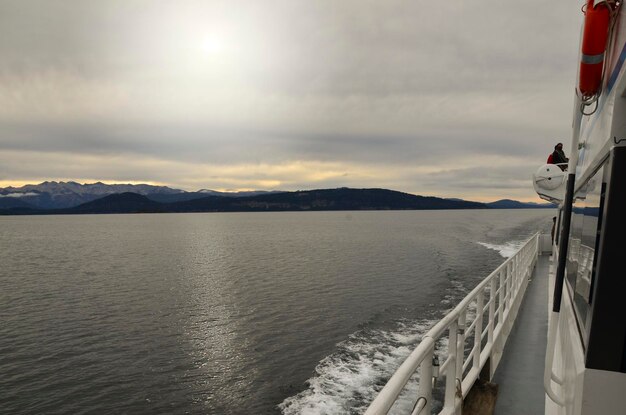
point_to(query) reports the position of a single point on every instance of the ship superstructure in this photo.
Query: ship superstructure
(584, 359)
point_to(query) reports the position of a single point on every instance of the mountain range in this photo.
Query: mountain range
(62, 195)
(75, 198)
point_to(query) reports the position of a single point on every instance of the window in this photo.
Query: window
(583, 245)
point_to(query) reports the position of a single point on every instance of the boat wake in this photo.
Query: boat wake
(346, 381)
(506, 250)
(349, 379)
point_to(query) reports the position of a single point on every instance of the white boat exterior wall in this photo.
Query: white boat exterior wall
(618, 126)
(609, 121)
(545, 243)
(585, 391)
(569, 362)
(606, 392)
(590, 391)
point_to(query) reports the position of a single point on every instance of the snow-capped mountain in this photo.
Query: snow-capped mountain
(59, 195)
(53, 195)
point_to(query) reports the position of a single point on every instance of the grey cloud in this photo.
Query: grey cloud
(303, 47)
(18, 194)
(223, 146)
(397, 84)
(490, 177)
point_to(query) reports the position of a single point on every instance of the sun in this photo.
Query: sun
(212, 45)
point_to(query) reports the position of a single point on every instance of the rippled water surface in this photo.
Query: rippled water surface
(230, 313)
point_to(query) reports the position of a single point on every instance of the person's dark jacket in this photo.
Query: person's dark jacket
(558, 157)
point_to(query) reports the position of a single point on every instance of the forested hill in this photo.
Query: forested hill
(325, 199)
(310, 200)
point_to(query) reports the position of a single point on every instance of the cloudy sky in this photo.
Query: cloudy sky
(448, 98)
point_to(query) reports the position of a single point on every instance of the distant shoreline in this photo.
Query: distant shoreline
(342, 199)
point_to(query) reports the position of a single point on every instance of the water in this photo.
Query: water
(230, 313)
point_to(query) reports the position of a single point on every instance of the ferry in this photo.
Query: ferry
(546, 331)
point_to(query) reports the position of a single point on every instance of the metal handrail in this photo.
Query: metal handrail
(506, 286)
(548, 373)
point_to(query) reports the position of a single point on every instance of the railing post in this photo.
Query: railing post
(460, 349)
(460, 354)
(518, 276)
(511, 279)
(478, 329)
(450, 399)
(518, 273)
(509, 284)
(524, 264)
(492, 311)
(501, 301)
(426, 380)
(536, 248)
(513, 282)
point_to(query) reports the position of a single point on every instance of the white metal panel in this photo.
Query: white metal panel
(545, 243)
(608, 121)
(569, 363)
(604, 392)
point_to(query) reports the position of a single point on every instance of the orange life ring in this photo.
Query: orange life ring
(595, 34)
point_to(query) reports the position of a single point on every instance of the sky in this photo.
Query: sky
(452, 99)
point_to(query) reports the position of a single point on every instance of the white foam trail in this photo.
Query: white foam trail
(506, 250)
(349, 379)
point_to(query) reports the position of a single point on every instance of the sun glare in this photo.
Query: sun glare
(212, 46)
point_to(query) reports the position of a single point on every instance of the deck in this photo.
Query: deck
(520, 372)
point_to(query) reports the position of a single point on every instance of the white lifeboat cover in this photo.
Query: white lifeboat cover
(549, 182)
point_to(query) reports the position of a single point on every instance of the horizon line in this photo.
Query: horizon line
(18, 184)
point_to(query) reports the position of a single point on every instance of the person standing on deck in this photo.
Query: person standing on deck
(558, 156)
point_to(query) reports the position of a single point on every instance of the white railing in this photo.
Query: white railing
(498, 296)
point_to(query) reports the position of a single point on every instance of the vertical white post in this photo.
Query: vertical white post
(460, 354)
(522, 267)
(517, 267)
(536, 248)
(506, 285)
(460, 349)
(509, 283)
(513, 279)
(516, 274)
(501, 301)
(492, 310)
(478, 329)
(450, 399)
(426, 380)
